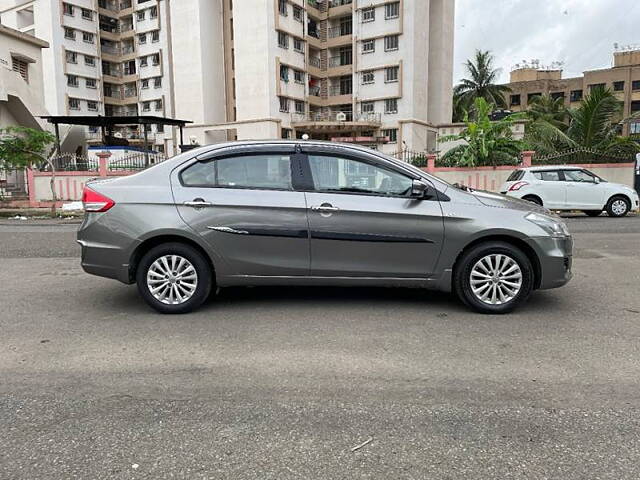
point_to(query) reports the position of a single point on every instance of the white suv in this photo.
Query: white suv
(571, 188)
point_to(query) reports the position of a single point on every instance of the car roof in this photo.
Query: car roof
(551, 167)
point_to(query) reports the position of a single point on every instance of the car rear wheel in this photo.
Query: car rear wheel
(533, 199)
(592, 213)
(618, 206)
(174, 278)
(494, 277)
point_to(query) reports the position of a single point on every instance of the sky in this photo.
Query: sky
(580, 33)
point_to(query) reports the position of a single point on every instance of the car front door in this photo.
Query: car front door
(583, 192)
(363, 223)
(244, 205)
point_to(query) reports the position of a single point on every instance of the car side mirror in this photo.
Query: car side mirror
(420, 189)
(596, 180)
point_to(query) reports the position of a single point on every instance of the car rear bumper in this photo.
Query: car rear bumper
(555, 256)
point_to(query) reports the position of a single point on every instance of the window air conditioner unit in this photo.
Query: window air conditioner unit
(341, 117)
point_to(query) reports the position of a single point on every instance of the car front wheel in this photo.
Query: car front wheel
(174, 278)
(618, 207)
(494, 277)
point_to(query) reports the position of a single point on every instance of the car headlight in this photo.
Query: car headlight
(556, 228)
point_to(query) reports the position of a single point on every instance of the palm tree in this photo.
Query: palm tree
(486, 142)
(548, 109)
(593, 126)
(480, 84)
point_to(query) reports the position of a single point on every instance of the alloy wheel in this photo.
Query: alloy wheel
(172, 279)
(496, 279)
(619, 207)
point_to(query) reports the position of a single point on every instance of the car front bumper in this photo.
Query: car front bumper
(555, 257)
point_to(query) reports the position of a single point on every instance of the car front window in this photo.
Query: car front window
(578, 176)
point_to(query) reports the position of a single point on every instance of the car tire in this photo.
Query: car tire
(618, 206)
(592, 213)
(473, 267)
(533, 199)
(174, 278)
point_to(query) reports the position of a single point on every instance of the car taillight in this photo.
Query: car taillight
(517, 186)
(93, 201)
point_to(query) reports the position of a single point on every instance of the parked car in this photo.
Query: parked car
(314, 213)
(571, 188)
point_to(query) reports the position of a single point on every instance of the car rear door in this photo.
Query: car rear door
(242, 202)
(582, 190)
(364, 224)
(550, 188)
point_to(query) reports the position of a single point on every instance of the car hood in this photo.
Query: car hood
(502, 201)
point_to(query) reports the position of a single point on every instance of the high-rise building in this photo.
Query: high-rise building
(374, 72)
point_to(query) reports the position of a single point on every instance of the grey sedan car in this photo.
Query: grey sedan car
(314, 213)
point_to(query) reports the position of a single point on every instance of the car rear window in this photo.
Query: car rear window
(515, 176)
(547, 175)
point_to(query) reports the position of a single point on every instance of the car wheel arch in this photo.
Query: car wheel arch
(159, 239)
(618, 195)
(511, 240)
(534, 197)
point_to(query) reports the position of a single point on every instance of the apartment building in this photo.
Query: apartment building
(374, 72)
(106, 57)
(623, 78)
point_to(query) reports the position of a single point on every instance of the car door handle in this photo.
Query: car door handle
(198, 203)
(324, 208)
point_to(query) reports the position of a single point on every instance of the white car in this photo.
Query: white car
(571, 188)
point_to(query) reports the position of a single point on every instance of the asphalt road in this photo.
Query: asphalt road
(272, 383)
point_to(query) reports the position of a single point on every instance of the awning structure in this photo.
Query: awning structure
(107, 123)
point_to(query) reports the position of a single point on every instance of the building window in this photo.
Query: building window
(159, 104)
(391, 134)
(69, 33)
(72, 80)
(87, 37)
(367, 107)
(72, 57)
(155, 36)
(155, 59)
(90, 83)
(298, 76)
(140, 15)
(368, 14)
(21, 67)
(284, 104)
(634, 128)
(67, 9)
(635, 85)
(392, 10)
(92, 106)
(515, 100)
(153, 12)
(299, 106)
(144, 83)
(142, 38)
(144, 62)
(298, 13)
(89, 61)
(369, 46)
(282, 7)
(74, 104)
(531, 96)
(391, 43)
(146, 106)
(368, 77)
(157, 82)
(391, 74)
(391, 105)
(618, 86)
(596, 86)
(160, 128)
(298, 45)
(87, 14)
(284, 73)
(575, 95)
(557, 95)
(283, 40)
(286, 133)
(635, 106)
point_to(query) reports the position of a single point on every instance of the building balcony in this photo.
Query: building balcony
(339, 31)
(340, 61)
(336, 121)
(338, 90)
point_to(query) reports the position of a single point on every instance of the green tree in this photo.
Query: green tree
(22, 147)
(486, 142)
(594, 125)
(481, 83)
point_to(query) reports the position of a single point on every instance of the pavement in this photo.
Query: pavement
(275, 383)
